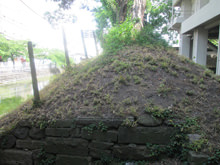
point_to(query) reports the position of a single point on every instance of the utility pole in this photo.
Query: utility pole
(65, 48)
(84, 45)
(96, 47)
(33, 73)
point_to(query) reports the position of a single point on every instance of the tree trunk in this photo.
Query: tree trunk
(122, 10)
(138, 13)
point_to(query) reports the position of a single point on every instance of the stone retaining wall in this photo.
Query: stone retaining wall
(82, 141)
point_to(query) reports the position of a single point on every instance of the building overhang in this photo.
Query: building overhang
(176, 3)
(176, 23)
(206, 16)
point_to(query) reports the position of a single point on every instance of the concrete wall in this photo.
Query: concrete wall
(203, 15)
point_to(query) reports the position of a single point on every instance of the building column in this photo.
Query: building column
(218, 55)
(200, 42)
(184, 46)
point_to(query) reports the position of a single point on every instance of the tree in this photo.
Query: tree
(159, 13)
(12, 48)
(118, 11)
(55, 55)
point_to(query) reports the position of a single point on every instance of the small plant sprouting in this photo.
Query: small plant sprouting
(92, 127)
(129, 123)
(86, 102)
(158, 112)
(45, 158)
(108, 99)
(102, 127)
(215, 158)
(127, 101)
(208, 73)
(122, 80)
(163, 89)
(164, 65)
(151, 67)
(190, 92)
(137, 79)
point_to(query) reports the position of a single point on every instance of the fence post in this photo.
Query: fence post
(96, 47)
(65, 48)
(84, 45)
(33, 73)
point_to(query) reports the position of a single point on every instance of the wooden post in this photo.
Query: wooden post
(84, 45)
(33, 73)
(65, 48)
(96, 47)
(218, 55)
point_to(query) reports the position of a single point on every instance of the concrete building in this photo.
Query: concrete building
(198, 22)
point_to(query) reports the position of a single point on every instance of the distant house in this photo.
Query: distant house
(198, 23)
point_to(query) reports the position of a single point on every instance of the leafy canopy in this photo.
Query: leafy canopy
(55, 55)
(115, 35)
(12, 48)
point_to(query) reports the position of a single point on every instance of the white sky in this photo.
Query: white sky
(17, 21)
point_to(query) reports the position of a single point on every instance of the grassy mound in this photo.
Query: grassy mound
(135, 81)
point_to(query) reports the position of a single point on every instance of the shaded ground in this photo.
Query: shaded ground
(134, 81)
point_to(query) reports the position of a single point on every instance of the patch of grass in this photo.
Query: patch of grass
(163, 89)
(151, 67)
(173, 73)
(120, 66)
(122, 80)
(157, 111)
(10, 104)
(153, 62)
(137, 79)
(164, 65)
(207, 73)
(190, 92)
(127, 101)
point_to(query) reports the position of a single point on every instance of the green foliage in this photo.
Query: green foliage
(119, 36)
(198, 144)
(129, 123)
(120, 66)
(190, 125)
(92, 127)
(190, 92)
(137, 79)
(147, 36)
(163, 89)
(127, 101)
(179, 145)
(44, 158)
(12, 48)
(215, 159)
(124, 34)
(159, 14)
(158, 112)
(155, 150)
(55, 55)
(208, 73)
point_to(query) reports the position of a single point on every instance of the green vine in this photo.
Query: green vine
(92, 127)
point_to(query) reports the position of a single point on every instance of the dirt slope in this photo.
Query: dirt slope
(134, 81)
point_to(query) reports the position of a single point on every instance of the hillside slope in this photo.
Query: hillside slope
(134, 81)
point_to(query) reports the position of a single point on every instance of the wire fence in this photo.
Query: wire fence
(14, 73)
(15, 79)
(21, 90)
